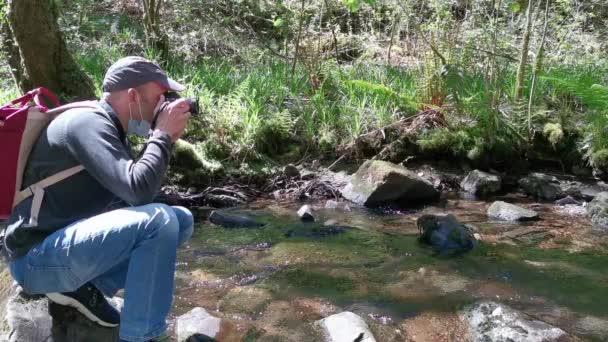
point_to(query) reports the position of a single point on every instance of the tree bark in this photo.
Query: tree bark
(523, 60)
(37, 53)
(537, 68)
(295, 57)
(155, 38)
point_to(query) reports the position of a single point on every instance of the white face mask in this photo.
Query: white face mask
(138, 127)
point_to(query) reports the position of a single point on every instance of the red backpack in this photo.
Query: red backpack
(21, 123)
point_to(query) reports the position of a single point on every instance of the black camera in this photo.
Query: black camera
(192, 102)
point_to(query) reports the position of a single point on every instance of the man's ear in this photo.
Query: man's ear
(132, 95)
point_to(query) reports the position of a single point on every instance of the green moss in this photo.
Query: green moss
(309, 282)
(553, 132)
(214, 237)
(599, 159)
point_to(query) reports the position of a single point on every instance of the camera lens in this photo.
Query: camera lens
(193, 103)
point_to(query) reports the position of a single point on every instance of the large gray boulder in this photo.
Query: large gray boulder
(378, 183)
(504, 211)
(542, 186)
(598, 211)
(495, 322)
(197, 324)
(481, 183)
(27, 319)
(345, 327)
(33, 318)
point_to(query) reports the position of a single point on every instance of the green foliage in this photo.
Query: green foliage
(553, 132)
(2, 10)
(446, 57)
(459, 142)
(587, 94)
(354, 5)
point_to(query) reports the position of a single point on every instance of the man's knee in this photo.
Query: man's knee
(162, 217)
(186, 223)
(184, 216)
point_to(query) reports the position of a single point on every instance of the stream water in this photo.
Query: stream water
(272, 283)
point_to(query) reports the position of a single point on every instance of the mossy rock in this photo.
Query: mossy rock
(192, 165)
(378, 183)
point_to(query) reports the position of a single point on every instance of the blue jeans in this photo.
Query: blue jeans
(132, 248)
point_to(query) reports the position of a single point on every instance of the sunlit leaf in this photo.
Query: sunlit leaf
(515, 7)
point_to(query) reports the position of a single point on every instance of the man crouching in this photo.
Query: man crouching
(81, 250)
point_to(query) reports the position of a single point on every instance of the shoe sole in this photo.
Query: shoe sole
(60, 299)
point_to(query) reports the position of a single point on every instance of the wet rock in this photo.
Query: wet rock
(378, 183)
(291, 171)
(567, 200)
(541, 186)
(598, 211)
(196, 325)
(589, 191)
(338, 180)
(592, 327)
(346, 327)
(223, 200)
(445, 234)
(314, 231)
(233, 220)
(202, 212)
(481, 183)
(333, 204)
(572, 210)
(490, 321)
(305, 214)
(508, 212)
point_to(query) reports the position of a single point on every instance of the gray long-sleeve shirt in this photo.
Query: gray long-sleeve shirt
(97, 142)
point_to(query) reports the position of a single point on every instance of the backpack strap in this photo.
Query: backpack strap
(73, 105)
(37, 190)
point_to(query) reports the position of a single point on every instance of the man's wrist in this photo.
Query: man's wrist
(160, 134)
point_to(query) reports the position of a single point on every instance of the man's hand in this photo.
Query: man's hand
(173, 119)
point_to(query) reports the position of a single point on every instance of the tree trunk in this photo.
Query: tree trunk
(156, 39)
(37, 53)
(537, 68)
(295, 57)
(523, 60)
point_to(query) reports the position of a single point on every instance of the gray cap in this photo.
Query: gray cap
(133, 71)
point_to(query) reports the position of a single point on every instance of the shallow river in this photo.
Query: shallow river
(270, 287)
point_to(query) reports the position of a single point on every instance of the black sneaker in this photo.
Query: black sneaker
(89, 301)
